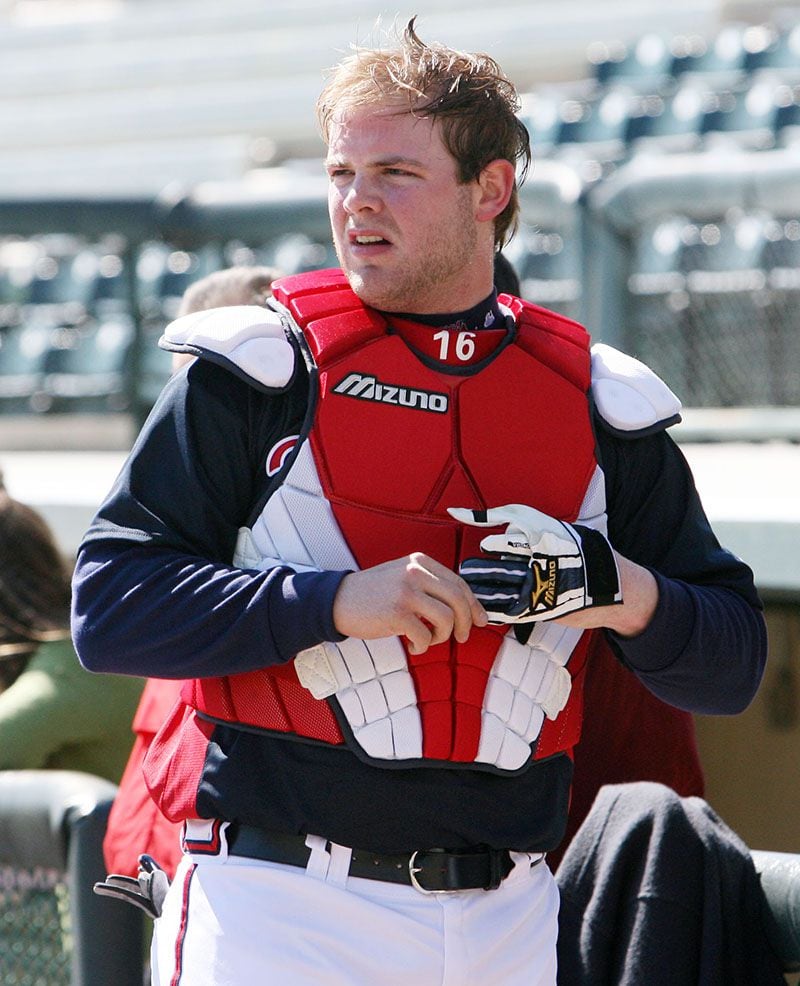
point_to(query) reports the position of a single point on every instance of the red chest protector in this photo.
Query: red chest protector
(393, 442)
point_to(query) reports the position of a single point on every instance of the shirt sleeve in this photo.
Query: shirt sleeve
(705, 648)
(154, 589)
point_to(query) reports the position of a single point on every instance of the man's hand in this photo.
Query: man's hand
(414, 597)
(540, 568)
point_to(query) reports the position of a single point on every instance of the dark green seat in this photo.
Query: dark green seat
(780, 880)
(23, 349)
(87, 370)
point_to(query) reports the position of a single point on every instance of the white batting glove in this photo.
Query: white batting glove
(540, 568)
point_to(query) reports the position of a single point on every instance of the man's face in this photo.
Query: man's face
(404, 227)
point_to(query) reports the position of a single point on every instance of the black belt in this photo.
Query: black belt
(428, 870)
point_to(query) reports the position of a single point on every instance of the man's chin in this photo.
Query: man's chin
(368, 288)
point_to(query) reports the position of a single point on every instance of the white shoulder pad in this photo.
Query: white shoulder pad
(628, 395)
(250, 339)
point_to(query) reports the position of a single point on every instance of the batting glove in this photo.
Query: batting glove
(540, 568)
(147, 891)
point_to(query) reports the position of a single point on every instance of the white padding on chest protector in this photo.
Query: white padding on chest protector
(375, 691)
(251, 338)
(628, 395)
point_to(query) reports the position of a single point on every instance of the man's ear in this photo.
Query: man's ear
(495, 183)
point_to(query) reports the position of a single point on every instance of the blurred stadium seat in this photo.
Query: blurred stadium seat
(540, 113)
(53, 930)
(23, 349)
(745, 115)
(85, 369)
(12, 293)
(666, 123)
(108, 292)
(773, 50)
(591, 132)
(58, 283)
(787, 116)
(596, 122)
(155, 367)
(717, 62)
(644, 64)
(163, 274)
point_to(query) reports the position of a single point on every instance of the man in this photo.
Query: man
(371, 761)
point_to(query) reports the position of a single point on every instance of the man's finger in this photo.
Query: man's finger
(438, 616)
(455, 593)
(418, 636)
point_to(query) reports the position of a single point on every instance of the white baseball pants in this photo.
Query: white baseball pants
(230, 921)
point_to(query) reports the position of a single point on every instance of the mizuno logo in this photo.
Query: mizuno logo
(369, 388)
(544, 592)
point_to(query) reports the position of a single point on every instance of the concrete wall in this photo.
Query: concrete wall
(751, 759)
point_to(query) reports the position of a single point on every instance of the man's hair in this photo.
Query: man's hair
(506, 278)
(34, 586)
(469, 93)
(231, 286)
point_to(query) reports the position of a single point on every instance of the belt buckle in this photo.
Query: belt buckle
(412, 872)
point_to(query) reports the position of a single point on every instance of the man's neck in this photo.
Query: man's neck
(485, 315)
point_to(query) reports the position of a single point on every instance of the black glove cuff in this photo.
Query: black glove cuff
(602, 578)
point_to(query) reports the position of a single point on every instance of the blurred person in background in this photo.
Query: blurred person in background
(374, 525)
(240, 285)
(53, 713)
(135, 824)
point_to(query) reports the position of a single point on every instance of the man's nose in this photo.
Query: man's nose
(362, 194)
